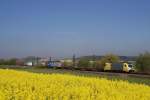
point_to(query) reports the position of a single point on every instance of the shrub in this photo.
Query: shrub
(83, 63)
(111, 58)
(143, 62)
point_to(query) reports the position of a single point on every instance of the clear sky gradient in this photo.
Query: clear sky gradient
(61, 28)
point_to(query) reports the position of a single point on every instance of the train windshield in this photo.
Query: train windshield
(130, 65)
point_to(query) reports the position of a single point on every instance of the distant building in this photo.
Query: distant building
(29, 63)
(19, 62)
(66, 60)
(43, 61)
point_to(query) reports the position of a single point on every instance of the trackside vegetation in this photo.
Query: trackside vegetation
(143, 62)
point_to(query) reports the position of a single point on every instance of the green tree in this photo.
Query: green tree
(2, 62)
(8, 62)
(143, 62)
(98, 65)
(11, 61)
(83, 63)
(110, 58)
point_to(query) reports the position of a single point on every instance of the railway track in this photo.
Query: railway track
(140, 75)
(122, 74)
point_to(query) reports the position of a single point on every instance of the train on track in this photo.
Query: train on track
(113, 67)
(124, 67)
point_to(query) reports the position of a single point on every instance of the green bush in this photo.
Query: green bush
(99, 66)
(109, 58)
(8, 61)
(83, 63)
(143, 62)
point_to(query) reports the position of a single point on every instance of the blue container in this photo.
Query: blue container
(50, 65)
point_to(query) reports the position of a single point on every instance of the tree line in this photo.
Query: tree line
(8, 61)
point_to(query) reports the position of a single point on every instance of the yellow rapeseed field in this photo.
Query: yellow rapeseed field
(21, 85)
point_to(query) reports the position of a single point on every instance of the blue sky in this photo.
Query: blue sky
(61, 28)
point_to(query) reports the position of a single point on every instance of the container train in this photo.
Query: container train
(116, 67)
